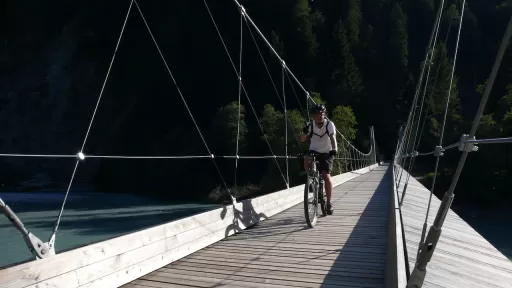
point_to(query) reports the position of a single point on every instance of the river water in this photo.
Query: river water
(93, 217)
(87, 218)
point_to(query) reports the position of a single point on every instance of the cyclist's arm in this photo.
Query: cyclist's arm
(305, 134)
(334, 142)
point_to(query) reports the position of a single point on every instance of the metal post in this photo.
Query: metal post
(374, 150)
(428, 247)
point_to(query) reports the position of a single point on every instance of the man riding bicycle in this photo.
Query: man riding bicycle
(322, 133)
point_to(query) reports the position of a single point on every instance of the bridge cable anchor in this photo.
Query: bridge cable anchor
(467, 147)
(39, 249)
(438, 151)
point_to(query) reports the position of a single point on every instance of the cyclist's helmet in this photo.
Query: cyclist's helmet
(318, 108)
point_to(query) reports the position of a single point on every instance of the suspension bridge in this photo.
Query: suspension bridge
(387, 229)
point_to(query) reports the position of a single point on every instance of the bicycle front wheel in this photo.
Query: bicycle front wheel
(311, 201)
(322, 198)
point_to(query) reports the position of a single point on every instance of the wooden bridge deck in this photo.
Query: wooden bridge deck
(463, 258)
(347, 249)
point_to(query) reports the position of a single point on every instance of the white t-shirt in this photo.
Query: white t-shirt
(320, 140)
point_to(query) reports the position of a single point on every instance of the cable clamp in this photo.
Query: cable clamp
(212, 156)
(283, 63)
(81, 156)
(242, 10)
(467, 147)
(438, 151)
(415, 154)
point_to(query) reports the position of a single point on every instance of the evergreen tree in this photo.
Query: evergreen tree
(346, 76)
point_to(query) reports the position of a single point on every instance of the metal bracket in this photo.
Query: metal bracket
(467, 147)
(39, 249)
(438, 151)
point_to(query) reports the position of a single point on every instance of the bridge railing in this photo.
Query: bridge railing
(397, 264)
(117, 261)
(112, 262)
(409, 141)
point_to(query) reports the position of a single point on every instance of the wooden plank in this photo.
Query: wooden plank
(347, 249)
(463, 258)
(117, 261)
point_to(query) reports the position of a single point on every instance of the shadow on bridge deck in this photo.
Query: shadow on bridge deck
(347, 249)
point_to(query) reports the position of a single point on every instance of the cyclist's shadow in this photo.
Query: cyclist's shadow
(243, 212)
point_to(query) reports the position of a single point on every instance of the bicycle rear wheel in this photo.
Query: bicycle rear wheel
(311, 201)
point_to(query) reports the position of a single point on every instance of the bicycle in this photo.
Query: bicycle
(313, 188)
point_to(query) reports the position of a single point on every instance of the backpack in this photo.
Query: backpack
(326, 129)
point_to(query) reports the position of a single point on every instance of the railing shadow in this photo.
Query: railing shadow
(362, 259)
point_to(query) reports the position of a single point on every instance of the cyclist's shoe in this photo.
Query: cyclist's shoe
(329, 209)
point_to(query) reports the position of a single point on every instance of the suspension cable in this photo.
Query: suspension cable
(285, 129)
(38, 155)
(418, 87)
(444, 118)
(296, 96)
(239, 95)
(57, 221)
(428, 248)
(243, 87)
(417, 139)
(283, 104)
(425, 223)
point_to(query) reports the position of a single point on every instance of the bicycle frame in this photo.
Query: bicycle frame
(313, 174)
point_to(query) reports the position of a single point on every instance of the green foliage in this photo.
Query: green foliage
(488, 127)
(346, 76)
(345, 121)
(437, 96)
(226, 128)
(362, 56)
(301, 31)
(277, 44)
(398, 41)
(507, 124)
(354, 23)
(316, 98)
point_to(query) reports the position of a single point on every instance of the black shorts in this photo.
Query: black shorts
(325, 161)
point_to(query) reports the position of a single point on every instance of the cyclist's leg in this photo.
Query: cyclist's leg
(326, 166)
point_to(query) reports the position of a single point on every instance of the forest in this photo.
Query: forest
(361, 58)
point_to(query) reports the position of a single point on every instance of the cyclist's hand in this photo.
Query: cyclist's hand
(333, 153)
(303, 138)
